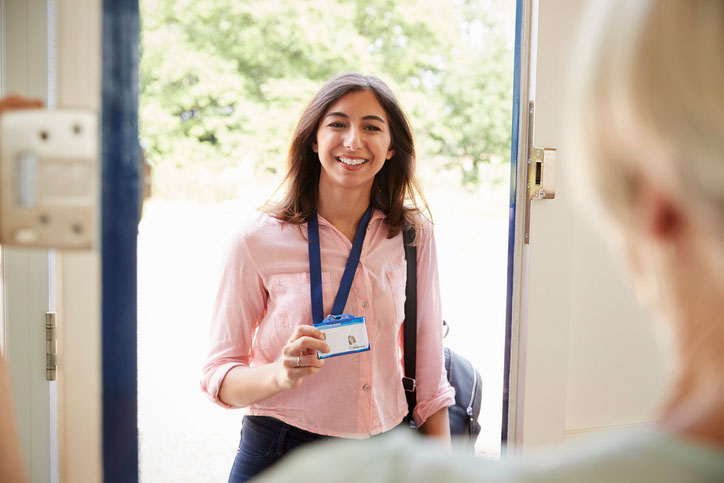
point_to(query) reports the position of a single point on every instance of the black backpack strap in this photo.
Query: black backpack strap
(410, 334)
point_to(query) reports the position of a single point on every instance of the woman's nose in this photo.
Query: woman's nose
(352, 139)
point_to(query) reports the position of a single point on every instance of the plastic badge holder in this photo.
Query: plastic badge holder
(346, 334)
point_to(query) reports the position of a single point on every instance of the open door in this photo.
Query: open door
(582, 358)
(27, 292)
(52, 51)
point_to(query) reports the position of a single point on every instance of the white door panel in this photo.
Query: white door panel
(26, 279)
(587, 356)
(615, 375)
(26, 302)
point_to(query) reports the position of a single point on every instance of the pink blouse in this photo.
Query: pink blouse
(264, 294)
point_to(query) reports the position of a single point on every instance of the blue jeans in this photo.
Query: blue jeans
(264, 441)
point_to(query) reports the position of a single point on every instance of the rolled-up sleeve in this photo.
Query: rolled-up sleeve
(433, 390)
(238, 309)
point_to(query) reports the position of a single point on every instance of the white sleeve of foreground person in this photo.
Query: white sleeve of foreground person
(400, 456)
(634, 456)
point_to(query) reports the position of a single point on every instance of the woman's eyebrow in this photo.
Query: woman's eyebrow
(371, 116)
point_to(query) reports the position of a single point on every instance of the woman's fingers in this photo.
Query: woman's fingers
(305, 340)
(303, 352)
(306, 345)
(17, 102)
(299, 355)
(300, 361)
(307, 331)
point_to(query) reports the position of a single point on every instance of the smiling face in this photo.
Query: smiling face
(353, 142)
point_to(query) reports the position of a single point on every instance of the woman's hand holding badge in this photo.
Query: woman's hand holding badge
(299, 356)
(244, 385)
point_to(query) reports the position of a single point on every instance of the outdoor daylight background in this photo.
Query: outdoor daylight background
(223, 83)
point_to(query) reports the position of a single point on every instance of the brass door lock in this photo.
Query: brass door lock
(542, 174)
(541, 183)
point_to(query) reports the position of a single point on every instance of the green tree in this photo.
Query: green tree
(224, 81)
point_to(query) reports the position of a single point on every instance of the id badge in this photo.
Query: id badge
(346, 334)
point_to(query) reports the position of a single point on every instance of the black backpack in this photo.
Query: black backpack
(461, 374)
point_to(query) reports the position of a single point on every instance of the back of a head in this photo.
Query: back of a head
(650, 102)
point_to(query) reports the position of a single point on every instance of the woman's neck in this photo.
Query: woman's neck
(695, 407)
(343, 208)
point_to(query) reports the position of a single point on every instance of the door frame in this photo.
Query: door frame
(78, 61)
(514, 364)
(120, 214)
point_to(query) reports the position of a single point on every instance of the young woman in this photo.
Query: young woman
(350, 186)
(650, 129)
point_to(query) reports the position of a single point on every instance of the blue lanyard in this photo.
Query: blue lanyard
(315, 267)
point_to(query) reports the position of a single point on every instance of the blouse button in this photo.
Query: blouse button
(365, 305)
(366, 387)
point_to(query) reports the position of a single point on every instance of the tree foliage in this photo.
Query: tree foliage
(224, 81)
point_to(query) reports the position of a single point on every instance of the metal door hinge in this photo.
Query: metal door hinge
(541, 180)
(51, 347)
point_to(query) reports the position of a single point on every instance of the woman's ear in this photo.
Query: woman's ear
(390, 153)
(315, 148)
(660, 216)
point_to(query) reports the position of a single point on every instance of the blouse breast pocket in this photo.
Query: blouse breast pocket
(397, 278)
(288, 306)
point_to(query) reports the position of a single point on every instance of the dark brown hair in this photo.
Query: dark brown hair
(395, 190)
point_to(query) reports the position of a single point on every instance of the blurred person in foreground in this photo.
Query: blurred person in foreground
(12, 468)
(652, 144)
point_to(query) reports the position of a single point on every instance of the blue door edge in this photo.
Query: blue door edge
(512, 216)
(120, 167)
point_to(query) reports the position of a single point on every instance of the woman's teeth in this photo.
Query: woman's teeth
(352, 161)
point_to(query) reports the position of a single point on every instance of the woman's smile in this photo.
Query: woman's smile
(351, 162)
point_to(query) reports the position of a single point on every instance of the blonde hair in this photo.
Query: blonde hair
(650, 99)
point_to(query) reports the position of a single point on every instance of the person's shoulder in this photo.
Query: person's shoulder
(261, 227)
(259, 224)
(631, 455)
(401, 456)
(424, 228)
(254, 232)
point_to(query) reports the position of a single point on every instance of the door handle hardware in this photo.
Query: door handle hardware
(541, 182)
(542, 174)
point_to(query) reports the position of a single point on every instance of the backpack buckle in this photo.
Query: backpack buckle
(408, 384)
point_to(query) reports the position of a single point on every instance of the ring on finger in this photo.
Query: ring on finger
(299, 361)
